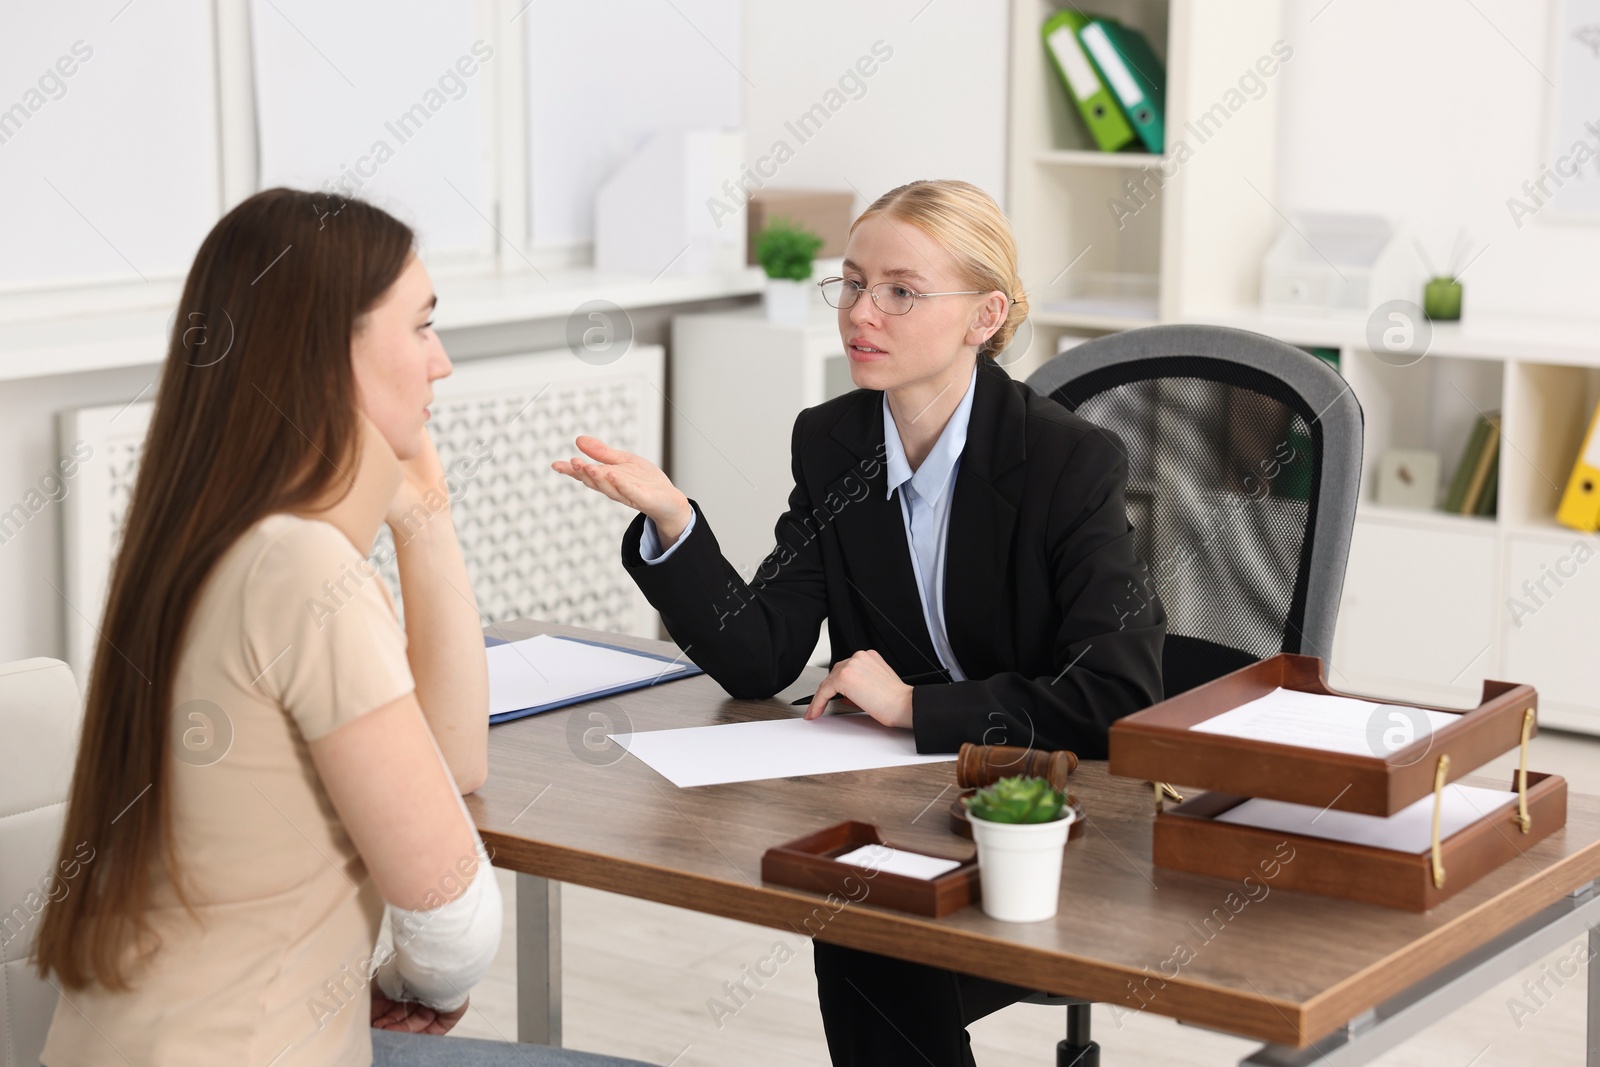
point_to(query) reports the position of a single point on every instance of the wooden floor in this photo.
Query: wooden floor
(641, 979)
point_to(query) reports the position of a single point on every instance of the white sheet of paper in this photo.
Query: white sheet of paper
(1408, 830)
(895, 861)
(545, 669)
(775, 748)
(1329, 723)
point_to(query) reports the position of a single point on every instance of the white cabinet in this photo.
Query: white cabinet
(1550, 626)
(1417, 620)
(738, 381)
(536, 544)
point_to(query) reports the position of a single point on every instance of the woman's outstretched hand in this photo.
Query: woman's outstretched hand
(630, 480)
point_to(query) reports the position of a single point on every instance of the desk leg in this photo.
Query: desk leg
(1593, 1040)
(1384, 1027)
(538, 960)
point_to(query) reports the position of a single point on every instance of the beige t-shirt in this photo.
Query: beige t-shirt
(292, 636)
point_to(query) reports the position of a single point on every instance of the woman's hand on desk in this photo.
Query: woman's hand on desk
(869, 683)
(630, 480)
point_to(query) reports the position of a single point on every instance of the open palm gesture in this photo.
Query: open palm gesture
(631, 480)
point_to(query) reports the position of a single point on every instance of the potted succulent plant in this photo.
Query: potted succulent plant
(1020, 826)
(785, 252)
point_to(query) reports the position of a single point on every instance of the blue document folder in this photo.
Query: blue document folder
(670, 670)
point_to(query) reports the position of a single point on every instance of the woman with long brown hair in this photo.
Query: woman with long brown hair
(268, 758)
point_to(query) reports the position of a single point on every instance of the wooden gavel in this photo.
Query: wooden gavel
(981, 765)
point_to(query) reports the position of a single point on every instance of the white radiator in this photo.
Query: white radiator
(536, 543)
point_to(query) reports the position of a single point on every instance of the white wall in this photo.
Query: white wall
(602, 78)
(1420, 111)
(1433, 113)
(936, 108)
(394, 109)
(107, 141)
(31, 574)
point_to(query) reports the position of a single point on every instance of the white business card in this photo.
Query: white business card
(895, 861)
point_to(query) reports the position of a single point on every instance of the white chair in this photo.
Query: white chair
(40, 718)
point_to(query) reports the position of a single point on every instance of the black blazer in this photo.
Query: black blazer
(1043, 600)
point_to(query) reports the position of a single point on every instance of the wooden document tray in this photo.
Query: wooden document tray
(1188, 838)
(1157, 744)
(808, 863)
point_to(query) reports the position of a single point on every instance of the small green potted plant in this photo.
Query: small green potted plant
(1020, 826)
(785, 251)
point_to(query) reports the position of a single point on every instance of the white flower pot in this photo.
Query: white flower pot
(1019, 867)
(787, 300)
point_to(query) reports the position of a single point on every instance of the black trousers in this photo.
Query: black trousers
(880, 1011)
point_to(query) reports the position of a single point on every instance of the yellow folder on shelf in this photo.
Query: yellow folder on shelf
(1580, 505)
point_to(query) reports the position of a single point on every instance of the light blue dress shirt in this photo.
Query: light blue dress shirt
(650, 540)
(925, 498)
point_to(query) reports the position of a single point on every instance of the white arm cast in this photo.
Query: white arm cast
(441, 953)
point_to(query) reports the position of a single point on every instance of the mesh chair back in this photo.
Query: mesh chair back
(1244, 457)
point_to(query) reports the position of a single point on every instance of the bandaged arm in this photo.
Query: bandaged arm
(400, 805)
(440, 953)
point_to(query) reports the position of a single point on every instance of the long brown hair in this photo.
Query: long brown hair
(256, 413)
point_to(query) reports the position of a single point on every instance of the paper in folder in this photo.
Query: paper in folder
(545, 672)
(1094, 101)
(1131, 68)
(1580, 505)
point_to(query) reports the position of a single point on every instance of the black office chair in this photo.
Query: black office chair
(1244, 459)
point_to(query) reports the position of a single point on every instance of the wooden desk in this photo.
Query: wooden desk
(1286, 968)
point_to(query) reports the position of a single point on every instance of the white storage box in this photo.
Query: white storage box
(1327, 269)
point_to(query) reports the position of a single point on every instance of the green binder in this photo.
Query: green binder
(1488, 500)
(1471, 456)
(1128, 64)
(1094, 101)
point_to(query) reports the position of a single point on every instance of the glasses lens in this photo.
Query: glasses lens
(839, 293)
(895, 299)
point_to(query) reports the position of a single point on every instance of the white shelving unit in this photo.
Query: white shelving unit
(1431, 601)
(1091, 266)
(1436, 603)
(1093, 157)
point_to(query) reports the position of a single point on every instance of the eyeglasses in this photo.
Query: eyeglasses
(892, 298)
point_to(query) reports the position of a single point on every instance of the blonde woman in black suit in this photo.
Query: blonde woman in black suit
(965, 539)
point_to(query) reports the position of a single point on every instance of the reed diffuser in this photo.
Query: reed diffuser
(1441, 296)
